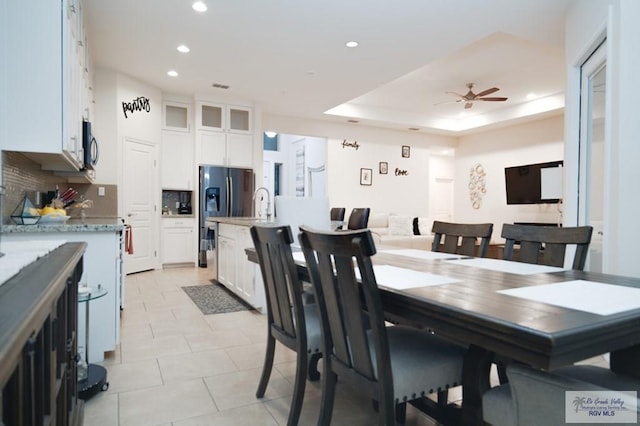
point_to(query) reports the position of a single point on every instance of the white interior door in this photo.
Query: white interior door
(140, 194)
(441, 200)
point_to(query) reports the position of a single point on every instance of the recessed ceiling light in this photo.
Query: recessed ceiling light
(199, 6)
(351, 44)
(531, 96)
(183, 49)
(352, 121)
(415, 129)
(172, 73)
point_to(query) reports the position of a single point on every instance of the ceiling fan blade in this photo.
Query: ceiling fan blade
(448, 102)
(487, 92)
(468, 105)
(454, 93)
(492, 99)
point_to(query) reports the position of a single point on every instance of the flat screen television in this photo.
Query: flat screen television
(523, 183)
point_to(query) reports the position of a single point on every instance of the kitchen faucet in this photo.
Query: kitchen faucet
(255, 193)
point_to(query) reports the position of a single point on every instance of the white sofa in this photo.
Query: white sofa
(398, 230)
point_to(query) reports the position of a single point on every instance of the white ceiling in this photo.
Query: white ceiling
(289, 56)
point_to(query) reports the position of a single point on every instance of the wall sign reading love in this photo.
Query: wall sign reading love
(139, 104)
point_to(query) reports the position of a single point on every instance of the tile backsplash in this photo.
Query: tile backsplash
(22, 175)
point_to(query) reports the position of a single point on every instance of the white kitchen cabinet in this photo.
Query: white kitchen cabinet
(227, 256)
(224, 118)
(44, 99)
(102, 266)
(224, 135)
(176, 116)
(178, 240)
(177, 165)
(235, 271)
(224, 149)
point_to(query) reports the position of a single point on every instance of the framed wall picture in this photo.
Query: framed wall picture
(384, 167)
(406, 151)
(365, 176)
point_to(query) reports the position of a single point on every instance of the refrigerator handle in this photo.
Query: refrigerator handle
(229, 196)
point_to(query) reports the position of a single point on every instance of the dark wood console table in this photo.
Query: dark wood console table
(38, 341)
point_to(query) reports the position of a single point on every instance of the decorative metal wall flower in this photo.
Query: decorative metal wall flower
(477, 187)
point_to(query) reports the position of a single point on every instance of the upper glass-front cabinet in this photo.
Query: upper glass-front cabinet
(175, 116)
(227, 118)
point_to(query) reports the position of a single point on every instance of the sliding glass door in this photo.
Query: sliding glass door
(593, 153)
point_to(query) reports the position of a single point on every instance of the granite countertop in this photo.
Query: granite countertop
(241, 221)
(72, 225)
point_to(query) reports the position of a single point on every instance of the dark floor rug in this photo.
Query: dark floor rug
(215, 299)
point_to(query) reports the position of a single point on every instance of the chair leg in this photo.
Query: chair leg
(313, 372)
(329, 379)
(266, 368)
(443, 398)
(298, 389)
(401, 413)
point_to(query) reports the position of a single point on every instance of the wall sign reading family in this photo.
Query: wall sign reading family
(140, 104)
(353, 144)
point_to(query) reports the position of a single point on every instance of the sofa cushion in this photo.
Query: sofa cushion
(378, 220)
(425, 224)
(400, 225)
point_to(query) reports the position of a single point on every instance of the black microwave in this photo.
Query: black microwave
(89, 145)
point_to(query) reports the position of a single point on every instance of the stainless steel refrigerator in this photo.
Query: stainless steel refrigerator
(224, 192)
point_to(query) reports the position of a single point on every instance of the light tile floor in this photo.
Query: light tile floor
(176, 366)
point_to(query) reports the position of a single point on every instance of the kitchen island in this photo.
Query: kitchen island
(102, 266)
(38, 306)
(234, 271)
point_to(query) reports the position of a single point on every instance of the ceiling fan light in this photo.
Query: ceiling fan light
(199, 6)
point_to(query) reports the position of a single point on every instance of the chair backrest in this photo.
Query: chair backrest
(461, 238)
(359, 218)
(345, 315)
(283, 289)
(546, 245)
(337, 213)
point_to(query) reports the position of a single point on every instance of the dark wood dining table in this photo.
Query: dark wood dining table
(473, 312)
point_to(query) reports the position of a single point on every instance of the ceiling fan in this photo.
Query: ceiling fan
(469, 98)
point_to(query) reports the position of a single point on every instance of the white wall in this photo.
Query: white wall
(111, 89)
(388, 193)
(535, 142)
(587, 21)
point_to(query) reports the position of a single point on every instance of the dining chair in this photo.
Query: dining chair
(392, 365)
(546, 245)
(292, 323)
(337, 213)
(531, 392)
(359, 218)
(462, 238)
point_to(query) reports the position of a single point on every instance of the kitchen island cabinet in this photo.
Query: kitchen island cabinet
(102, 265)
(38, 375)
(234, 269)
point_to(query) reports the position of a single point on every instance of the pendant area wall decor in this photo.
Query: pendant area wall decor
(477, 187)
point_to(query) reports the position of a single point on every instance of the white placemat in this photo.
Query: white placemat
(18, 254)
(422, 254)
(587, 296)
(298, 257)
(402, 278)
(508, 266)
(395, 277)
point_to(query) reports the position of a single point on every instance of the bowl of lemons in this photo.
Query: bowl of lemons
(50, 214)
